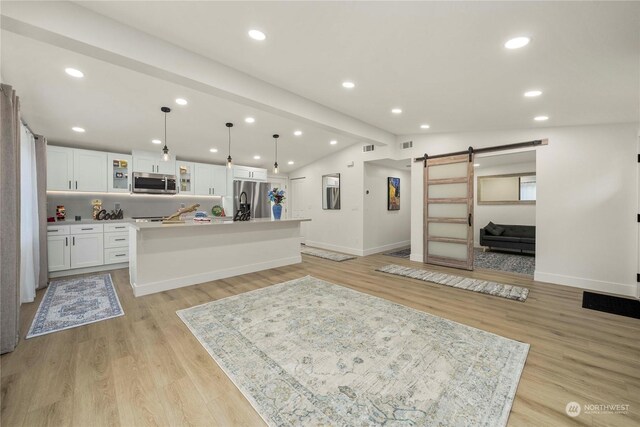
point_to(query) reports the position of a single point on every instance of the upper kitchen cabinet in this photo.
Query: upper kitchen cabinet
(248, 173)
(59, 168)
(119, 173)
(210, 180)
(185, 177)
(72, 169)
(150, 162)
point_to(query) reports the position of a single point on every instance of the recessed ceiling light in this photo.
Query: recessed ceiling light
(74, 73)
(256, 157)
(156, 141)
(249, 120)
(290, 162)
(475, 165)
(333, 142)
(517, 42)
(348, 85)
(424, 126)
(257, 35)
(396, 110)
(213, 150)
(533, 93)
(181, 101)
(540, 118)
(297, 133)
(77, 129)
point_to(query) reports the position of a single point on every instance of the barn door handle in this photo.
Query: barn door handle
(469, 220)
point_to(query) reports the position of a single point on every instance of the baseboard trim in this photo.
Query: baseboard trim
(330, 247)
(85, 270)
(590, 284)
(385, 248)
(165, 285)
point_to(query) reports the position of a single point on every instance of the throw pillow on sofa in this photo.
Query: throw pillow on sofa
(494, 230)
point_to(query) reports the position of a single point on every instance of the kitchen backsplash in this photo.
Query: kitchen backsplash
(136, 205)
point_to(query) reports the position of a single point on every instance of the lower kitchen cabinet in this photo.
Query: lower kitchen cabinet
(87, 250)
(59, 253)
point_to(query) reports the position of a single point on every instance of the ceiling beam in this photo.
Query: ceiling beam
(75, 28)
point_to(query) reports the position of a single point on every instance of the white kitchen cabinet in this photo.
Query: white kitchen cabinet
(185, 177)
(210, 180)
(58, 252)
(150, 162)
(249, 174)
(119, 173)
(87, 250)
(89, 170)
(59, 168)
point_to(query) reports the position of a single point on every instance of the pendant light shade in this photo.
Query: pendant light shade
(275, 165)
(229, 160)
(165, 150)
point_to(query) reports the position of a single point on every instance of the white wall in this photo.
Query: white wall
(383, 229)
(501, 214)
(586, 231)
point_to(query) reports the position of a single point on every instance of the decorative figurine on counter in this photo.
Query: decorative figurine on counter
(96, 208)
(176, 217)
(61, 213)
(103, 215)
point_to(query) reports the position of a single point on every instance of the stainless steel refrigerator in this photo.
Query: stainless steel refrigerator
(256, 196)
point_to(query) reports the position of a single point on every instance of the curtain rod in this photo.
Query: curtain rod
(29, 129)
(471, 150)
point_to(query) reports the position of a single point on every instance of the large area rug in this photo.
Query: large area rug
(321, 253)
(307, 352)
(75, 302)
(513, 292)
(504, 261)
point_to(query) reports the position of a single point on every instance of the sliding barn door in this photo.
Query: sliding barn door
(448, 211)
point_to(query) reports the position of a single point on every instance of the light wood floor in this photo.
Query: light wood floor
(146, 368)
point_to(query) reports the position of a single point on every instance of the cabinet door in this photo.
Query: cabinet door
(167, 168)
(185, 177)
(259, 174)
(59, 168)
(219, 180)
(87, 250)
(119, 173)
(144, 164)
(203, 179)
(58, 250)
(89, 170)
(241, 172)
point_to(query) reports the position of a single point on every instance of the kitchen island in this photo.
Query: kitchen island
(170, 256)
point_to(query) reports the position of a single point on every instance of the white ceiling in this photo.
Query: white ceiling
(120, 110)
(443, 63)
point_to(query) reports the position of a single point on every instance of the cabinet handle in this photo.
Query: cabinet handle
(52, 231)
(69, 184)
(120, 240)
(120, 254)
(76, 185)
(66, 241)
(117, 228)
(87, 229)
(213, 190)
(74, 240)
(129, 187)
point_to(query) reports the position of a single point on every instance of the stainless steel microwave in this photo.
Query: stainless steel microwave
(154, 183)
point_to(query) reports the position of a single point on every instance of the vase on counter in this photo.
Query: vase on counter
(277, 210)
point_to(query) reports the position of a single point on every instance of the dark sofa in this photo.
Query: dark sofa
(518, 237)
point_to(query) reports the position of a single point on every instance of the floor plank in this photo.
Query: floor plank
(146, 368)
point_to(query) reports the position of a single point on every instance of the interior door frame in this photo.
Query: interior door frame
(439, 260)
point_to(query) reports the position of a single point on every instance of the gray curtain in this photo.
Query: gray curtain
(9, 218)
(41, 166)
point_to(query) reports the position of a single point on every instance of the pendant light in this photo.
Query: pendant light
(229, 161)
(165, 149)
(275, 165)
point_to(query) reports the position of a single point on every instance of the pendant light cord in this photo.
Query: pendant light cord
(229, 140)
(165, 130)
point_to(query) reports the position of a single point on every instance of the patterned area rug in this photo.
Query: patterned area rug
(402, 253)
(502, 261)
(75, 302)
(482, 286)
(307, 352)
(321, 253)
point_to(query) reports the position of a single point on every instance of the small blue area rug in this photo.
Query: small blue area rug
(75, 302)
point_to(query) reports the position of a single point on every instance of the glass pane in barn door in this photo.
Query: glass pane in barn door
(448, 211)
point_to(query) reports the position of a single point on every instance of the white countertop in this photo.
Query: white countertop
(91, 221)
(190, 223)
